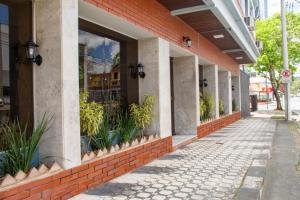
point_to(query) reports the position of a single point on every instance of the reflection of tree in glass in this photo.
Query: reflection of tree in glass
(116, 60)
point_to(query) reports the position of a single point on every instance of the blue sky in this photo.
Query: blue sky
(3, 14)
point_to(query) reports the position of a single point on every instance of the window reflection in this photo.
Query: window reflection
(4, 65)
(99, 67)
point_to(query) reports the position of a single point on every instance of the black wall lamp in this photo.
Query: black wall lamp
(232, 87)
(31, 53)
(203, 83)
(138, 70)
(187, 41)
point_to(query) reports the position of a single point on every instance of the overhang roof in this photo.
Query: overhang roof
(212, 18)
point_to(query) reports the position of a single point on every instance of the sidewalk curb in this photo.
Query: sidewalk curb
(252, 185)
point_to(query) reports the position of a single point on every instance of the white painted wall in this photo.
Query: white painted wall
(56, 84)
(154, 54)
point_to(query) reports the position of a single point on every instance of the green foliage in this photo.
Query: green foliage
(221, 107)
(295, 87)
(126, 128)
(103, 138)
(206, 106)
(21, 145)
(116, 59)
(142, 114)
(270, 63)
(91, 115)
(233, 105)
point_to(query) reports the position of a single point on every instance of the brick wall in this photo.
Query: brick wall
(68, 183)
(210, 127)
(154, 17)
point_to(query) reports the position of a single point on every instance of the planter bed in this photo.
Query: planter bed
(212, 126)
(63, 184)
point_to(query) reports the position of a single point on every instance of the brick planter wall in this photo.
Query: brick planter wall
(68, 183)
(210, 127)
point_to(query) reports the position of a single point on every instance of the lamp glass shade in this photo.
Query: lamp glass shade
(31, 49)
(140, 68)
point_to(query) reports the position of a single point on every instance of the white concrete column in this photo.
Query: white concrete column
(186, 94)
(154, 54)
(210, 73)
(236, 93)
(225, 92)
(56, 81)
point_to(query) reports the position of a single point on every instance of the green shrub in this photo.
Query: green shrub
(221, 107)
(103, 137)
(142, 114)
(233, 105)
(22, 144)
(91, 115)
(126, 128)
(206, 106)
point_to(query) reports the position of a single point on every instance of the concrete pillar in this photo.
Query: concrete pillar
(225, 90)
(236, 93)
(56, 81)
(210, 73)
(186, 95)
(154, 54)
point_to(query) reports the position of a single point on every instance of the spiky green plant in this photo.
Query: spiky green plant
(102, 138)
(91, 115)
(142, 114)
(221, 107)
(126, 128)
(21, 145)
(206, 106)
(234, 106)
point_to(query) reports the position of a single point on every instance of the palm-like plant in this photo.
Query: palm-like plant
(21, 146)
(102, 138)
(126, 129)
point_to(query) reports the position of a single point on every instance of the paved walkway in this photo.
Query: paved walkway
(282, 181)
(211, 168)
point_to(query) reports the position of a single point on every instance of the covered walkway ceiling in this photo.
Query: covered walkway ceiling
(199, 15)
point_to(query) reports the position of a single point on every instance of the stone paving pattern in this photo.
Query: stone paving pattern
(210, 168)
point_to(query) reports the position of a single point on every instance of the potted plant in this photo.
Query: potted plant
(142, 114)
(91, 116)
(221, 107)
(21, 145)
(206, 106)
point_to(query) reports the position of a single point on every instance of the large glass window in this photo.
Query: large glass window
(4, 64)
(99, 67)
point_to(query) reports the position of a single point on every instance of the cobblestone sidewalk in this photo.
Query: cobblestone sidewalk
(211, 168)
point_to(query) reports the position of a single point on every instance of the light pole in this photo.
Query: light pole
(285, 60)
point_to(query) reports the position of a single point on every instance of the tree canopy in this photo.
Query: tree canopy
(270, 63)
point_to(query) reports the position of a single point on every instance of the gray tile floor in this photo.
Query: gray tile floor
(211, 168)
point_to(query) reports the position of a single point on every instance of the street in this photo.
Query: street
(271, 106)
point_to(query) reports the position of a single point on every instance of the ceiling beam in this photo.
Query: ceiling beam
(232, 50)
(191, 9)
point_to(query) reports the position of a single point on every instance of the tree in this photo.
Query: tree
(270, 62)
(295, 87)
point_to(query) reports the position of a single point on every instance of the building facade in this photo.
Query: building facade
(187, 48)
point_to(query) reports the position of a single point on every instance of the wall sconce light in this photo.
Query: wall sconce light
(203, 83)
(138, 70)
(187, 41)
(232, 87)
(31, 53)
